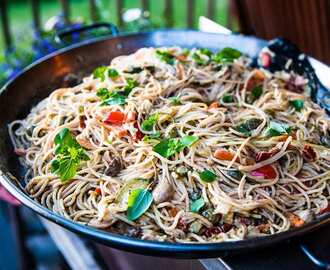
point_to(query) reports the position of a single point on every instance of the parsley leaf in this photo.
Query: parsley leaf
(196, 205)
(139, 200)
(68, 153)
(169, 147)
(149, 123)
(207, 176)
(298, 104)
(276, 129)
(98, 73)
(226, 55)
(130, 84)
(165, 56)
(175, 100)
(112, 73)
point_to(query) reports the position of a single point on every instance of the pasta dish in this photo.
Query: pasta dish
(179, 145)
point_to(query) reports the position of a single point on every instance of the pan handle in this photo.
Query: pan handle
(314, 258)
(112, 29)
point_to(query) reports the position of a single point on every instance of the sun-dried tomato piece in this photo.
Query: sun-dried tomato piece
(308, 153)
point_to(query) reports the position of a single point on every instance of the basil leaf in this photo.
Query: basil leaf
(247, 126)
(115, 99)
(188, 140)
(228, 98)
(149, 123)
(112, 73)
(139, 201)
(68, 155)
(276, 129)
(169, 147)
(197, 205)
(98, 73)
(298, 104)
(226, 55)
(207, 176)
(165, 56)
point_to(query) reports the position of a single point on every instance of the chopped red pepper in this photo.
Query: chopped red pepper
(98, 190)
(263, 155)
(116, 118)
(308, 153)
(266, 171)
(265, 59)
(222, 154)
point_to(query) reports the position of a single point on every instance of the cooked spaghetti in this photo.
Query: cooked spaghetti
(179, 145)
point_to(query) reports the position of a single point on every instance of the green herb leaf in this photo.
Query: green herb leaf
(165, 56)
(175, 100)
(115, 99)
(207, 176)
(169, 147)
(198, 59)
(188, 140)
(206, 52)
(98, 73)
(247, 126)
(138, 203)
(276, 129)
(228, 98)
(112, 73)
(197, 205)
(226, 55)
(149, 123)
(110, 98)
(151, 137)
(298, 104)
(130, 84)
(68, 153)
(256, 92)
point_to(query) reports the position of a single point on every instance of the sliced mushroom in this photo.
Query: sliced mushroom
(114, 167)
(162, 192)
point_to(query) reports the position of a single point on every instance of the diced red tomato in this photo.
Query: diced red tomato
(116, 118)
(265, 59)
(222, 154)
(98, 190)
(266, 171)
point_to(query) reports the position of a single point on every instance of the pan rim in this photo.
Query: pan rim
(148, 247)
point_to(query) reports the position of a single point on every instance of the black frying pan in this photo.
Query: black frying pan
(42, 77)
